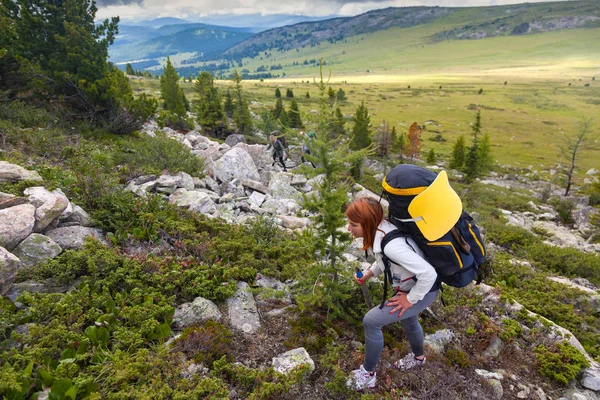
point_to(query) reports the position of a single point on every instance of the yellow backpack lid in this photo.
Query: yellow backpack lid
(436, 209)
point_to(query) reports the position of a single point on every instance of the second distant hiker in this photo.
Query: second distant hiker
(277, 149)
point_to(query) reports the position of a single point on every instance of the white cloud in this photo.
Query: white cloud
(141, 9)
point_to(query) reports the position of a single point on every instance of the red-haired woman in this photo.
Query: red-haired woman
(414, 281)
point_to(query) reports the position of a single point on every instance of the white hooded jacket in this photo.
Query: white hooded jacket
(407, 262)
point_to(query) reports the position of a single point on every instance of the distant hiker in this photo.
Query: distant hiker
(277, 150)
(305, 143)
(414, 281)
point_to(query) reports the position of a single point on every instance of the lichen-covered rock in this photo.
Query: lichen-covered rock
(48, 205)
(236, 163)
(14, 173)
(195, 313)
(36, 248)
(78, 216)
(242, 311)
(289, 360)
(439, 340)
(9, 264)
(72, 237)
(16, 223)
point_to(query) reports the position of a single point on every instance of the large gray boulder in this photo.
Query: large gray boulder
(195, 313)
(48, 205)
(14, 173)
(72, 237)
(36, 248)
(16, 223)
(281, 187)
(242, 310)
(77, 216)
(9, 264)
(236, 163)
(234, 139)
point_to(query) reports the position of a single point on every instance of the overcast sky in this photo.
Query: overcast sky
(193, 9)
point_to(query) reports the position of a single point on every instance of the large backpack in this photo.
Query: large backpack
(423, 206)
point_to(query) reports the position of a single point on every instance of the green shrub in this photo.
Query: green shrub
(560, 362)
(147, 155)
(564, 208)
(458, 357)
(511, 330)
(567, 261)
(206, 343)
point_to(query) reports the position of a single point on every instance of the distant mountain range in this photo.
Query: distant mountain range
(193, 45)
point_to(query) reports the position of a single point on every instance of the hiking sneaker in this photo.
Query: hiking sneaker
(408, 362)
(361, 379)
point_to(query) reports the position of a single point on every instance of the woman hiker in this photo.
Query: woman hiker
(277, 149)
(414, 281)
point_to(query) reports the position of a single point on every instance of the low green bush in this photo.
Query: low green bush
(560, 362)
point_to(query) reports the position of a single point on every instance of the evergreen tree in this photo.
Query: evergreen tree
(361, 133)
(278, 93)
(321, 286)
(294, 119)
(228, 107)
(401, 144)
(129, 69)
(331, 95)
(289, 93)
(307, 95)
(241, 115)
(61, 52)
(458, 154)
(209, 111)
(278, 108)
(485, 154)
(394, 139)
(173, 98)
(339, 123)
(473, 164)
(341, 95)
(431, 157)
(268, 124)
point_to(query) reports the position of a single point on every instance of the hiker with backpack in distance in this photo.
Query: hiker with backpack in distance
(305, 148)
(414, 281)
(277, 150)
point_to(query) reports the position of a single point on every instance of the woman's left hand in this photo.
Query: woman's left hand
(400, 303)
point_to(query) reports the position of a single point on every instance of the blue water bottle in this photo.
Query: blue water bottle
(359, 273)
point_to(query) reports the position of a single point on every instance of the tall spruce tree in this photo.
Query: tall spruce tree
(129, 69)
(173, 97)
(361, 133)
(241, 114)
(339, 123)
(208, 109)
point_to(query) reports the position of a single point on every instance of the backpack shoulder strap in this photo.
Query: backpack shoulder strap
(387, 272)
(391, 235)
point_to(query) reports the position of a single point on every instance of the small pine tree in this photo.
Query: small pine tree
(339, 123)
(401, 144)
(431, 157)
(307, 95)
(289, 93)
(278, 108)
(361, 133)
(294, 119)
(485, 154)
(129, 69)
(458, 154)
(229, 107)
(278, 93)
(473, 164)
(341, 95)
(331, 94)
(394, 139)
(321, 285)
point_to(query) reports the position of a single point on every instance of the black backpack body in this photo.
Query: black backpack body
(457, 255)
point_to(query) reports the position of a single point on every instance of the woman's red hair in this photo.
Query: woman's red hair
(368, 213)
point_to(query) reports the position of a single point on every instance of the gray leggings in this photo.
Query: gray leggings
(376, 319)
